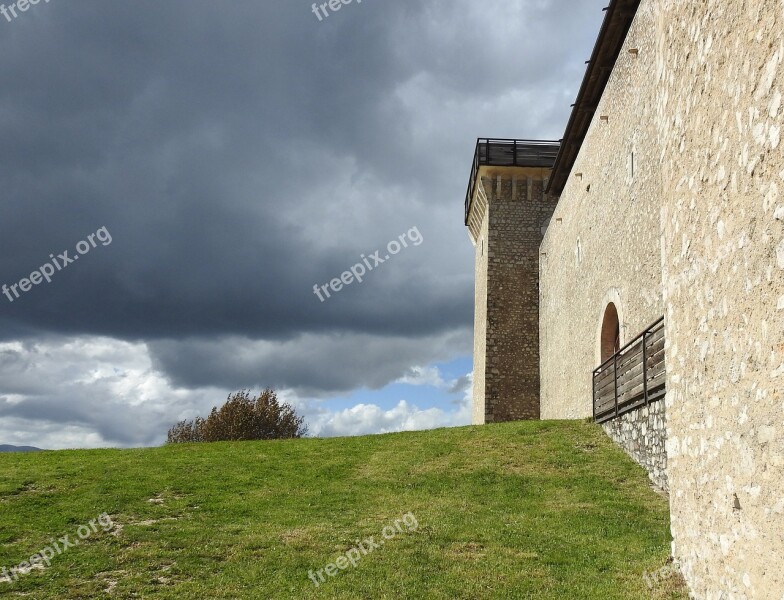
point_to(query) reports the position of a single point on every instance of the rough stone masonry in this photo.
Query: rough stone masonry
(509, 212)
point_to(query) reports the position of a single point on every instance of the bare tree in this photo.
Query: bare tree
(242, 417)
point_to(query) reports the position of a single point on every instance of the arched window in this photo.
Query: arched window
(611, 332)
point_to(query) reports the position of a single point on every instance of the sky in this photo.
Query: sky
(183, 185)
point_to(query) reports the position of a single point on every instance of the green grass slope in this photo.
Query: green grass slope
(524, 510)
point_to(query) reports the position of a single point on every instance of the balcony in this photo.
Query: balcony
(508, 153)
(633, 377)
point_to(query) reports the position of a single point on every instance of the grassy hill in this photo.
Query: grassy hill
(525, 510)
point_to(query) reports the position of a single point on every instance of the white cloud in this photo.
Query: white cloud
(91, 392)
(88, 392)
(424, 376)
(368, 419)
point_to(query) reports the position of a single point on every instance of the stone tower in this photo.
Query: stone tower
(507, 213)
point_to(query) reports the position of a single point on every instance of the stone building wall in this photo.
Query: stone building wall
(642, 434)
(681, 184)
(480, 308)
(603, 244)
(719, 82)
(516, 209)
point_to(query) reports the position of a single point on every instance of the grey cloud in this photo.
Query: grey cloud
(241, 153)
(309, 365)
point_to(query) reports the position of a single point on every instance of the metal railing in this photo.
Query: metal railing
(635, 376)
(496, 152)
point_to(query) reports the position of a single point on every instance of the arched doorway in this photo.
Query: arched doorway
(610, 341)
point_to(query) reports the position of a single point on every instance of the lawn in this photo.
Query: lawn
(550, 510)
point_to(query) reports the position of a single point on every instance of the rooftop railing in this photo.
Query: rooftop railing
(496, 152)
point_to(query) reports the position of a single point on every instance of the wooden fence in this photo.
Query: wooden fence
(633, 377)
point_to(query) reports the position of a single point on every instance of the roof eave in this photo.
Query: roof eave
(612, 36)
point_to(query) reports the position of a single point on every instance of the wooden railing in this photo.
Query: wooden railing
(633, 377)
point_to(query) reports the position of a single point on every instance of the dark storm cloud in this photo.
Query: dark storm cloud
(240, 153)
(461, 385)
(309, 365)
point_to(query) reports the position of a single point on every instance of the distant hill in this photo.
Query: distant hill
(8, 448)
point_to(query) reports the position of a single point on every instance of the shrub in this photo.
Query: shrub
(243, 417)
